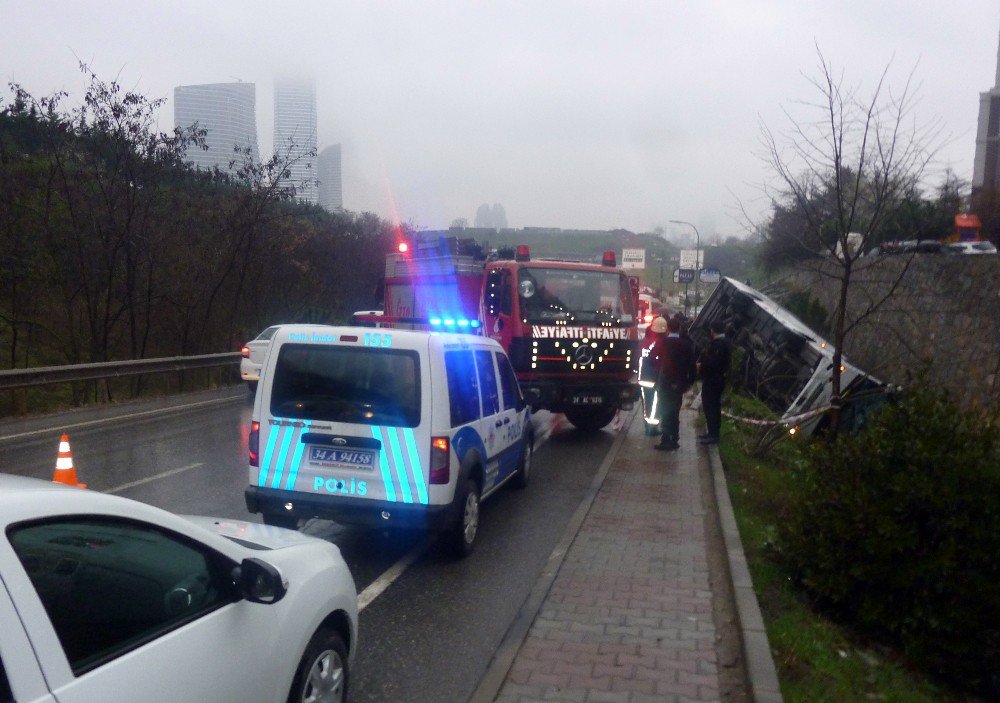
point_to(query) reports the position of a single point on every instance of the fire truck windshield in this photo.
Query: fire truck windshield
(573, 295)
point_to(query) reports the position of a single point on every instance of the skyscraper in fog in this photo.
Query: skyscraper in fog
(295, 133)
(331, 192)
(986, 169)
(227, 112)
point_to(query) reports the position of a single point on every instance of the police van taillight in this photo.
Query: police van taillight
(440, 460)
(254, 443)
(245, 352)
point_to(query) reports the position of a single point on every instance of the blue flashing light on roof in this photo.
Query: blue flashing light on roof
(452, 323)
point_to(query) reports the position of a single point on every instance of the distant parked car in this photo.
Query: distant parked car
(970, 248)
(254, 352)
(366, 318)
(923, 246)
(107, 599)
(911, 246)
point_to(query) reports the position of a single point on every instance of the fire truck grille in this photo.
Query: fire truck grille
(574, 355)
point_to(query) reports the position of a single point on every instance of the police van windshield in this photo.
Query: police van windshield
(570, 295)
(358, 385)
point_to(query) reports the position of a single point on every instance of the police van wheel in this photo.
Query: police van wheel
(463, 533)
(523, 475)
(591, 419)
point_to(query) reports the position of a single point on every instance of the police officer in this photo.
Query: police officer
(713, 365)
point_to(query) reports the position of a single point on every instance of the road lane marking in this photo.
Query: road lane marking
(118, 418)
(378, 586)
(150, 479)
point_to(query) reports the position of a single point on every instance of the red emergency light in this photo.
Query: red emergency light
(253, 443)
(402, 247)
(522, 253)
(609, 258)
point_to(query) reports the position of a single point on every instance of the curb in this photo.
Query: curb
(758, 660)
(496, 673)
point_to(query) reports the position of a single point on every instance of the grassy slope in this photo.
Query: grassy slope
(817, 658)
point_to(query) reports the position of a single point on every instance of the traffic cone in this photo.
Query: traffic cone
(65, 473)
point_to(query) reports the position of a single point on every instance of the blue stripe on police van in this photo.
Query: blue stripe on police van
(415, 466)
(383, 465)
(287, 435)
(397, 462)
(293, 470)
(265, 464)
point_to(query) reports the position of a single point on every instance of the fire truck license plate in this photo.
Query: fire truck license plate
(587, 399)
(352, 458)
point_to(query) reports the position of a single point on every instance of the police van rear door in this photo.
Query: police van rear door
(345, 420)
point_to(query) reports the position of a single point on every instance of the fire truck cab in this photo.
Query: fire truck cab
(570, 331)
(568, 327)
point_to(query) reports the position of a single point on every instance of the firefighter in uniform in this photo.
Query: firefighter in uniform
(649, 372)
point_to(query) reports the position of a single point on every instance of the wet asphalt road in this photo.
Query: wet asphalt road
(432, 632)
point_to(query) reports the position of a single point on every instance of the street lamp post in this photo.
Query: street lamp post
(697, 262)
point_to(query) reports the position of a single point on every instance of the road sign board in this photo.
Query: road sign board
(633, 258)
(690, 258)
(710, 275)
(683, 275)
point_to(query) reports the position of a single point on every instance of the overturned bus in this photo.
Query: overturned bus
(782, 361)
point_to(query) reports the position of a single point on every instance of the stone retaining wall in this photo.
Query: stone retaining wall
(944, 318)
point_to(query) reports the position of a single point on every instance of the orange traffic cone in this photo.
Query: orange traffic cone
(65, 473)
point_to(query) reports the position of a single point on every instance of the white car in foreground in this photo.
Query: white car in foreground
(107, 599)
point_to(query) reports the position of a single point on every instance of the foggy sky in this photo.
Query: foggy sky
(570, 113)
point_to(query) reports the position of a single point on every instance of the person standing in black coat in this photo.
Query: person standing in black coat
(677, 373)
(713, 365)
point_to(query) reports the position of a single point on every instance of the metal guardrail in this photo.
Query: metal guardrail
(19, 378)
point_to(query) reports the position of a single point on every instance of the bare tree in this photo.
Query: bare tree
(843, 167)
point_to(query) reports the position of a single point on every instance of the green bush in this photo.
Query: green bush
(898, 528)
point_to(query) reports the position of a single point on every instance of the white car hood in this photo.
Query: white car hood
(252, 532)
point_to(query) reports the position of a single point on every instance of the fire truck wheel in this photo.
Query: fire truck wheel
(591, 419)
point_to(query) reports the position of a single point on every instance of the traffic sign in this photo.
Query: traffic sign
(683, 275)
(691, 258)
(633, 258)
(710, 275)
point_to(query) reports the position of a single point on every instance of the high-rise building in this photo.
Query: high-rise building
(295, 134)
(331, 192)
(227, 112)
(986, 169)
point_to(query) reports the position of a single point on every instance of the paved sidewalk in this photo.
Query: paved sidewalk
(625, 614)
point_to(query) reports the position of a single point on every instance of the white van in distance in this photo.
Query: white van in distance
(385, 427)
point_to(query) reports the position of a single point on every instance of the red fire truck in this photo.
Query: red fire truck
(569, 327)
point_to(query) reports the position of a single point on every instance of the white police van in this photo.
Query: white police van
(385, 427)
